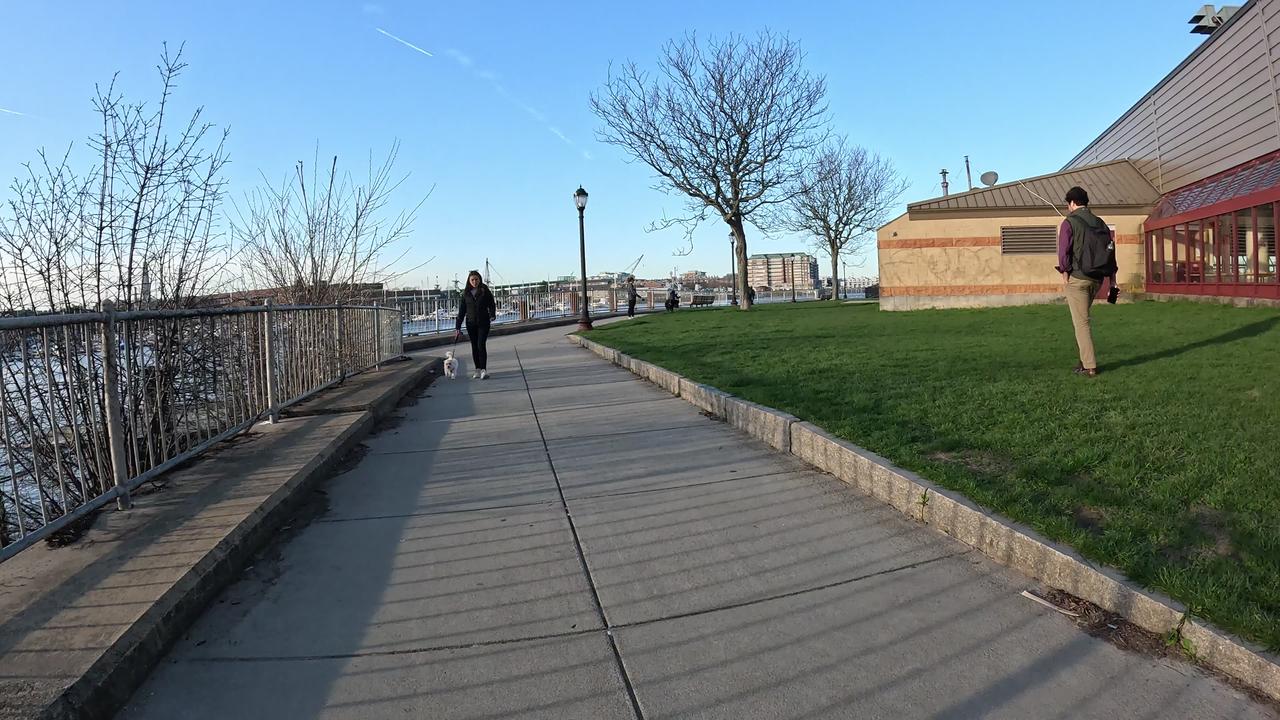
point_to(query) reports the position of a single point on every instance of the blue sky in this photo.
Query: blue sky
(497, 118)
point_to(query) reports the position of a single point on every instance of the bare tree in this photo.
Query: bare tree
(728, 125)
(139, 225)
(137, 228)
(846, 196)
(320, 237)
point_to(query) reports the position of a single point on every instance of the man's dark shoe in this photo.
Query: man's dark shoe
(1087, 372)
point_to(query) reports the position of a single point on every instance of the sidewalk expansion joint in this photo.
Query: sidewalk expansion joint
(596, 436)
(592, 406)
(670, 488)
(582, 558)
(454, 448)
(385, 653)
(432, 513)
(790, 594)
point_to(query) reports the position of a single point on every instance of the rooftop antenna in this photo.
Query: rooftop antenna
(944, 182)
(989, 178)
(968, 176)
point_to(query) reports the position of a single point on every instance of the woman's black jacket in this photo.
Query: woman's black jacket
(477, 309)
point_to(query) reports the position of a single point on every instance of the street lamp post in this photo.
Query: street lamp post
(733, 267)
(580, 199)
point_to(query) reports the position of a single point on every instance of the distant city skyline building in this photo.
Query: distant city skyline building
(783, 271)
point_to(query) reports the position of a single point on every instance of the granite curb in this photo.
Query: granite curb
(999, 538)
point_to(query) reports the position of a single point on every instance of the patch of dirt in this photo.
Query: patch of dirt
(349, 461)
(410, 399)
(1212, 524)
(73, 531)
(1118, 631)
(390, 422)
(979, 461)
(1112, 627)
(1090, 519)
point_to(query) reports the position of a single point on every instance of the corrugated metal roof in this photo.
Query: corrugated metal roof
(1111, 184)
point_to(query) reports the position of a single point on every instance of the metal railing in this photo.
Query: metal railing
(438, 314)
(95, 404)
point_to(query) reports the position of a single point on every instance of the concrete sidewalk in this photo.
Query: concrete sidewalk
(567, 541)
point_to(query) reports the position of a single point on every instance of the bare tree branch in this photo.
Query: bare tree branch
(847, 194)
(318, 236)
(729, 125)
(138, 228)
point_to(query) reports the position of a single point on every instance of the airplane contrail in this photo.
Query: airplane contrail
(13, 112)
(406, 43)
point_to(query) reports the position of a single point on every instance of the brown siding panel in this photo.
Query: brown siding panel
(1226, 158)
(1216, 111)
(1208, 111)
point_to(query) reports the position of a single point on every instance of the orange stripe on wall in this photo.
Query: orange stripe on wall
(948, 290)
(938, 242)
(942, 242)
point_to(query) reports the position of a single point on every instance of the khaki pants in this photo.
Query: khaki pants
(1080, 295)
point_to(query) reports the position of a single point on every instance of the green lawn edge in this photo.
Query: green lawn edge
(1166, 466)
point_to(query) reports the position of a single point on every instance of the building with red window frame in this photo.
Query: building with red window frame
(1189, 177)
(1207, 137)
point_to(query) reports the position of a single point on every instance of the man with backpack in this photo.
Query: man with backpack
(1086, 256)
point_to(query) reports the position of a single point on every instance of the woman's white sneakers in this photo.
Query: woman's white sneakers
(484, 374)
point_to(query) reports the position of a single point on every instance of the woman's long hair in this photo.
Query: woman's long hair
(476, 274)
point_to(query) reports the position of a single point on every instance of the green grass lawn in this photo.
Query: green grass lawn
(1166, 465)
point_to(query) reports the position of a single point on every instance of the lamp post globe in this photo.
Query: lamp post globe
(580, 201)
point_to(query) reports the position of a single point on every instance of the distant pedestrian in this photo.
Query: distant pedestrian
(632, 295)
(1086, 257)
(673, 299)
(478, 309)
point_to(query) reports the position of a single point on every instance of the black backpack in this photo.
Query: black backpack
(1097, 250)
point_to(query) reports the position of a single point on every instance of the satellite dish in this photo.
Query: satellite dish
(989, 178)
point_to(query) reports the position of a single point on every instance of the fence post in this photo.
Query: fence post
(397, 337)
(273, 404)
(524, 309)
(111, 402)
(341, 335)
(377, 336)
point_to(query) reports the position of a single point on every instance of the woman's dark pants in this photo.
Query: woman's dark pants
(479, 334)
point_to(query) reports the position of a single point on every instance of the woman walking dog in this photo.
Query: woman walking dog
(478, 309)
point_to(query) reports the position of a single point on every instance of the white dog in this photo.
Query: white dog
(450, 365)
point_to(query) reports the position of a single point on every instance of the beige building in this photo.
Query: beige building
(782, 271)
(999, 245)
(1189, 177)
